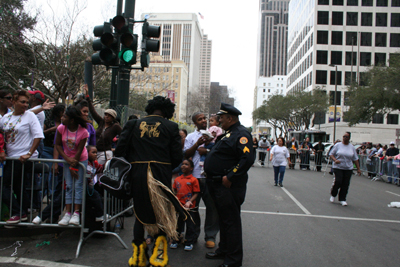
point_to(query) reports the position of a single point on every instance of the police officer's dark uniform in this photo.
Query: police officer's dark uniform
(231, 156)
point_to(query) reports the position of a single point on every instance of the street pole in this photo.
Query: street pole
(334, 99)
(351, 73)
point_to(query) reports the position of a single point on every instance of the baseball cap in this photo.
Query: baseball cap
(37, 94)
(392, 142)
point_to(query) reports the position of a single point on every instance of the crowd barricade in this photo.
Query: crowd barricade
(36, 190)
(114, 209)
(260, 157)
(379, 168)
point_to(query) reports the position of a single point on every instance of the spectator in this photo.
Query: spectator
(83, 107)
(293, 147)
(318, 150)
(186, 187)
(105, 133)
(6, 102)
(255, 147)
(70, 144)
(305, 159)
(22, 134)
(263, 147)
(392, 170)
(371, 161)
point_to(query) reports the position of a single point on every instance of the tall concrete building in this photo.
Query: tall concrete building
(272, 39)
(219, 94)
(205, 65)
(350, 35)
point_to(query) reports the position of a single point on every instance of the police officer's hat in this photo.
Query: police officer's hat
(228, 109)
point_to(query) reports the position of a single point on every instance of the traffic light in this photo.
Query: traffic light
(149, 45)
(107, 46)
(127, 39)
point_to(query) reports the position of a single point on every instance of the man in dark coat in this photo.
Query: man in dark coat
(226, 169)
(153, 146)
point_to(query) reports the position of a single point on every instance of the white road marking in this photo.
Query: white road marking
(320, 216)
(296, 201)
(33, 262)
(393, 193)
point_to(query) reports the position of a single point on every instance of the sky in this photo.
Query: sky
(231, 25)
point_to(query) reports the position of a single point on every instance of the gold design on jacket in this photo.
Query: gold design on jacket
(151, 130)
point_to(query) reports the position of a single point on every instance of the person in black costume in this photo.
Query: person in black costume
(226, 167)
(153, 146)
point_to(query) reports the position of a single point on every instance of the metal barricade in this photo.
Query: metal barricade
(113, 209)
(34, 195)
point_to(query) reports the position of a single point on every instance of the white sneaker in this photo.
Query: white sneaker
(332, 199)
(75, 220)
(101, 218)
(344, 203)
(37, 220)
(65, 220)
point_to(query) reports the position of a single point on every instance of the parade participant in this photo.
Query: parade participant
(279, 154)
(343, 156)
(193, 150)
(226, 167)
(70, 144)
(22, 135)
(153, 146)
(107, 130)
(186, 188)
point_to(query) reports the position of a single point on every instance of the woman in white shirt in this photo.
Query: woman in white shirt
(22, 135)
(279, 154)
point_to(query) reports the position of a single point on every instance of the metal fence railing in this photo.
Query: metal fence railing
(38, 202)
(380, 168)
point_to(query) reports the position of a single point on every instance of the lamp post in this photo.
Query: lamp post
(334, 101)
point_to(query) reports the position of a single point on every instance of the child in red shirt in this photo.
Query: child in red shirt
(187, 188)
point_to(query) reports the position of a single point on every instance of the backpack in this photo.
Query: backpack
(115, 178)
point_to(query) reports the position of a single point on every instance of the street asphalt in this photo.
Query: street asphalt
(291, 226)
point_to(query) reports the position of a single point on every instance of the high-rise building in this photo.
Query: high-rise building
(272, 38)
(350, 35)
(220, 93)
(166, 78)
(205, 65)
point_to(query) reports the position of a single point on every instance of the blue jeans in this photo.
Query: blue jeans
(279, 170)
(74, 186)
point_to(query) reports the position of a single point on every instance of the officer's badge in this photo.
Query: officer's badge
(228, 135)
(243, 140)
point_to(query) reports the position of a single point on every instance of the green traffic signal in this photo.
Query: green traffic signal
(129, 47)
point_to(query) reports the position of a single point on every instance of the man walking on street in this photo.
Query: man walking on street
(192, 149)
(226, 168)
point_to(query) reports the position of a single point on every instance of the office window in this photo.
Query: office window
(323, 2)
(351, 18)
(346, 98)
(323, 17)
(348, 79)
(332, 97)
(366, 39)
(337, 18)
(392, 119)
(337, 2)
(365, 59)
(352, 2)
(395, 40)
(319, 118)
(395, 3)
(381, 2)
(337, 38)
(364, 78)
(395, 20)
(321, 77)
(336, 57)
(380, 39)
(348, 58)
(366, 19)
(380, 59)
(322, 57)
(322, 37)
(366, 2)
(381, 19)
(377, 118)
(263, 90)
(339, 77)
(351, 38)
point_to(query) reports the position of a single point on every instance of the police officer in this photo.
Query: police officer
(226, 168)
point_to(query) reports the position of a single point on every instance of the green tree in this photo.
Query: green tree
(16, 59)
(379, 92)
